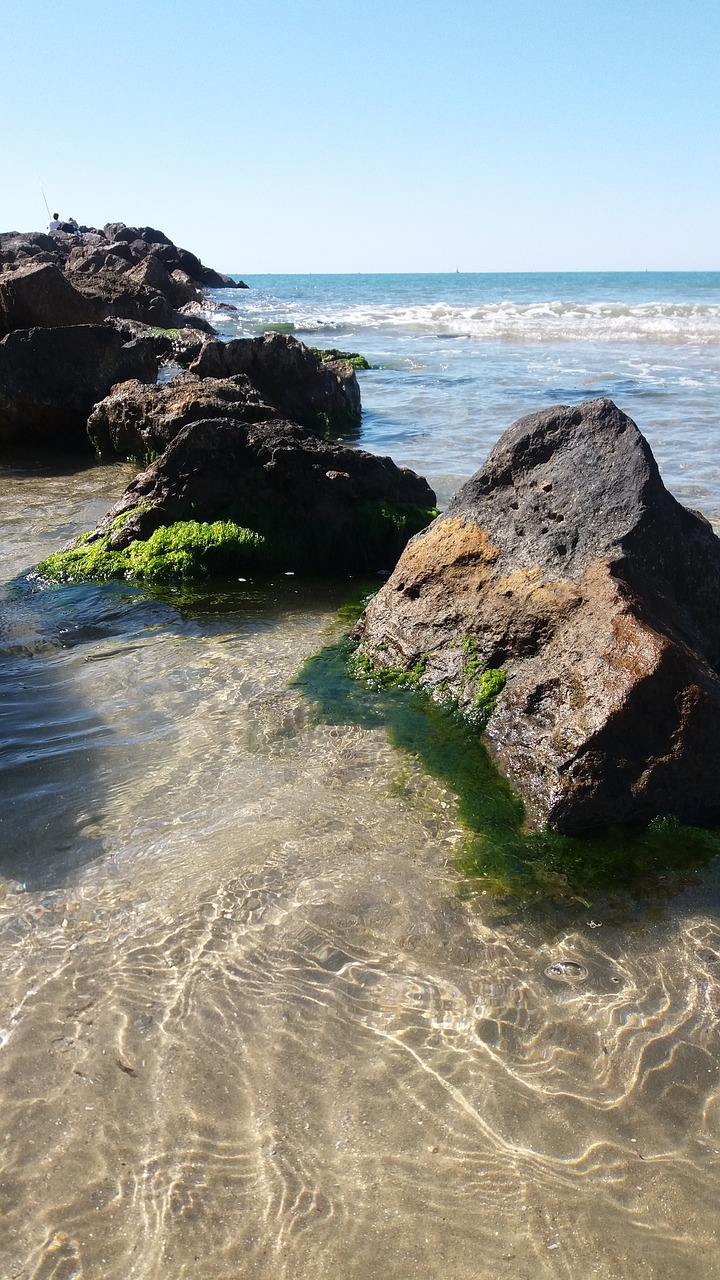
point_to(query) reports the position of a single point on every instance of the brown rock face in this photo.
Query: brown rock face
(136, 419)
(566, 562)
(41, 296)
(316, 393)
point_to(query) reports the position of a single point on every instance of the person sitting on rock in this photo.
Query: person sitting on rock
(71, 225)
(54, 223)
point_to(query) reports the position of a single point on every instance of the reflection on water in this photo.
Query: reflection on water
(247, 1026)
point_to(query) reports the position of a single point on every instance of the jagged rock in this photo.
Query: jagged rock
(135, 420)
(41, 296)
(318, 505)
(20, 247)
(187, 345)
(189, 316)
(567, 563)
(51, 378)
(320, 394)
(126, 296)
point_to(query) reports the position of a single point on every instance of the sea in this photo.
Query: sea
(284, 993)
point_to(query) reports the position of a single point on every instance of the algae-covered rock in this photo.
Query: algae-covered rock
(304, 503)
(566, 565)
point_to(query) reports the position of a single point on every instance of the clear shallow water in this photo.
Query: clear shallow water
(247, 1027)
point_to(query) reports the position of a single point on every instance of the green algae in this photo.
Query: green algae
(350, 357)
(372, 535)
(480, 686)
(501, 862)
(174, 553)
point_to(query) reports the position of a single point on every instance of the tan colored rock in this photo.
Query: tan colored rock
(567, 563)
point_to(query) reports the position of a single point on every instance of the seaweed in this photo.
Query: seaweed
(500, 860)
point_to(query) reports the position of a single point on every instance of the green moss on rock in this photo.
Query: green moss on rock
(480, 686)
(351, 357)
(175, 553)
(372, 536)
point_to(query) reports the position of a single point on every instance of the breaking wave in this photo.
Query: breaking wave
(685, 323)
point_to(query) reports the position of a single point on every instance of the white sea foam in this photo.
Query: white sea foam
(505, 321)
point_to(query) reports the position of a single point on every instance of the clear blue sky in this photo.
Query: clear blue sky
(386, 135)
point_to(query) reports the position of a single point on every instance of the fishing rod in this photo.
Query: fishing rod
(47, 206)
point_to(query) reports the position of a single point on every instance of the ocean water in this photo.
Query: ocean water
(459, 357)
(253, 1020)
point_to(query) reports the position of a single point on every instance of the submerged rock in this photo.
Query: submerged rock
(135, 419)
(51, 378)
(304, 502)
(566, 565)
(321, 394)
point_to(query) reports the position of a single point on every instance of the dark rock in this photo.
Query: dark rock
(216, 280)
(20, 247)
(135, 420)
(319, 505)
(320, 394)
(182, 289)
(189, 316)
(42, 296)
(51, 378)
(187, 345)
(190, 264)
(566, 562)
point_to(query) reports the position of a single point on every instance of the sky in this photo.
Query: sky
(336, 136)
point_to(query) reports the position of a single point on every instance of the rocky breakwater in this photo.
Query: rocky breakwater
(568, 603)
(134, 273)
(74, 312)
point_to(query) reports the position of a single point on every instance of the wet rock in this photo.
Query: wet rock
(321, 394)
(317, 505)
(566, 563)
(50, 379)
(135, 419)
(40, 295)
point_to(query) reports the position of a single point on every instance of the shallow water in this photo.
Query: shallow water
(247, 1025)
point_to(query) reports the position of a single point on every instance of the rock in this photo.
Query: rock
(188, 317)
(18, 247)
(41, 295)
(183, 290)
(317, 505)
(135, 419)
(567, 563)
(187, 344)
(51, 378)
(320, 394)
(126, 296)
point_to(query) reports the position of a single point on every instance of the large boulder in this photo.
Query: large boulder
(321, 394)
(316, 505)
(41, 296)
(51, 378)
(126, 295)
(135, 419)
(567, 565)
